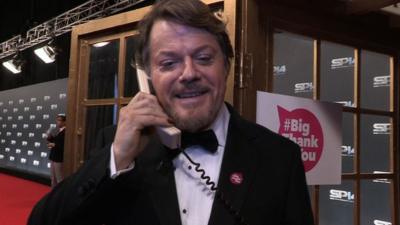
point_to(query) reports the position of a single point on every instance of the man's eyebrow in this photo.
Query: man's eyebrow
(166, 53)
(203, 47)
(194, 51)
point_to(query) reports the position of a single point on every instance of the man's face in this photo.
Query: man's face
(188, 74)
(60, 122)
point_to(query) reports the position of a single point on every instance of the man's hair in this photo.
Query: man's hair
(193, 13)
(61, 116)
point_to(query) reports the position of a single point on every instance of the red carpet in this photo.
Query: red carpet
(17, 197)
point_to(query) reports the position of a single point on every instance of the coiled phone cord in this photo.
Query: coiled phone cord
(218, 193)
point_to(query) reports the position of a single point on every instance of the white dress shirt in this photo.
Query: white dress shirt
(194, 197)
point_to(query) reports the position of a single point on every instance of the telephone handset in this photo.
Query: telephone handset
(169, 136)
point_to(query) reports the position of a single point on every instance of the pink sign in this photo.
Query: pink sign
(302, 127)
(313, 125)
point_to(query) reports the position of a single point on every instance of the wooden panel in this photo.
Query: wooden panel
(71, 105)
(251, 66)
(364, 6)
(375, 37)
(335, 6)
(230, 15)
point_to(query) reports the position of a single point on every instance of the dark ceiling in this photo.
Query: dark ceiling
(17, 16)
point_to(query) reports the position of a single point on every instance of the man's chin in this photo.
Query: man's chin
(188, 112)
(192, 121)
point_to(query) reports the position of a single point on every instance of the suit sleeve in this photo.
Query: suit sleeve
(59, 143)
(83, 198)
(298, 206)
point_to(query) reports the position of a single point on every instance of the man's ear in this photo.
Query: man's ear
(226, 70)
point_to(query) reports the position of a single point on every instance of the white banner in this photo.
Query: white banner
(315, 126)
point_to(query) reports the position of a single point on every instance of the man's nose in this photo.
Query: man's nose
(189, 72)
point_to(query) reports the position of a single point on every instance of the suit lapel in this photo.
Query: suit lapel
(163, 191)
(236, 174)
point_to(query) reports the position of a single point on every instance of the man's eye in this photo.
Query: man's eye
(166, 64)
(204, 59)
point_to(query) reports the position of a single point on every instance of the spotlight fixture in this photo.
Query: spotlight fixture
(101, 44)
(46, 53)
(14, 65)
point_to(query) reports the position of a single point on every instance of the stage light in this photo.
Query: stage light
(101, 44)
(46, 53)
(13, 65)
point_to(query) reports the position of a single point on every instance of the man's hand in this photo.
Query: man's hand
(50, 145)
(142, 112)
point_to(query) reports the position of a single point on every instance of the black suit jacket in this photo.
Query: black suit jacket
(273, 190)
(57, 152)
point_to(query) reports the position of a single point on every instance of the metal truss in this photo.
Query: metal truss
(63, 23)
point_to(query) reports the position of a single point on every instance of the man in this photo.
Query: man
(56, 146)
(258, 175)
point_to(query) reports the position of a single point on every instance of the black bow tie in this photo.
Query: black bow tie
(206, 139)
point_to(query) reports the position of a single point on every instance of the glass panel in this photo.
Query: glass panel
(337, 72)
(348, 143)
(293, 65)
(336, 203)
(374, 143)
(131, 85)
(97, 117)
(375, 81)
(375, 202)
(103, 70)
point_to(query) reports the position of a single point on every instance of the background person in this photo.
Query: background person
(56, 146)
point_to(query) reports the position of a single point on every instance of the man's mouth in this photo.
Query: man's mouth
(192, 94)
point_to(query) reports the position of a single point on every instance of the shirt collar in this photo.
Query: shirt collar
(220, 125)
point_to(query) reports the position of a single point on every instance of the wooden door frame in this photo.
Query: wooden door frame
(257, 20)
